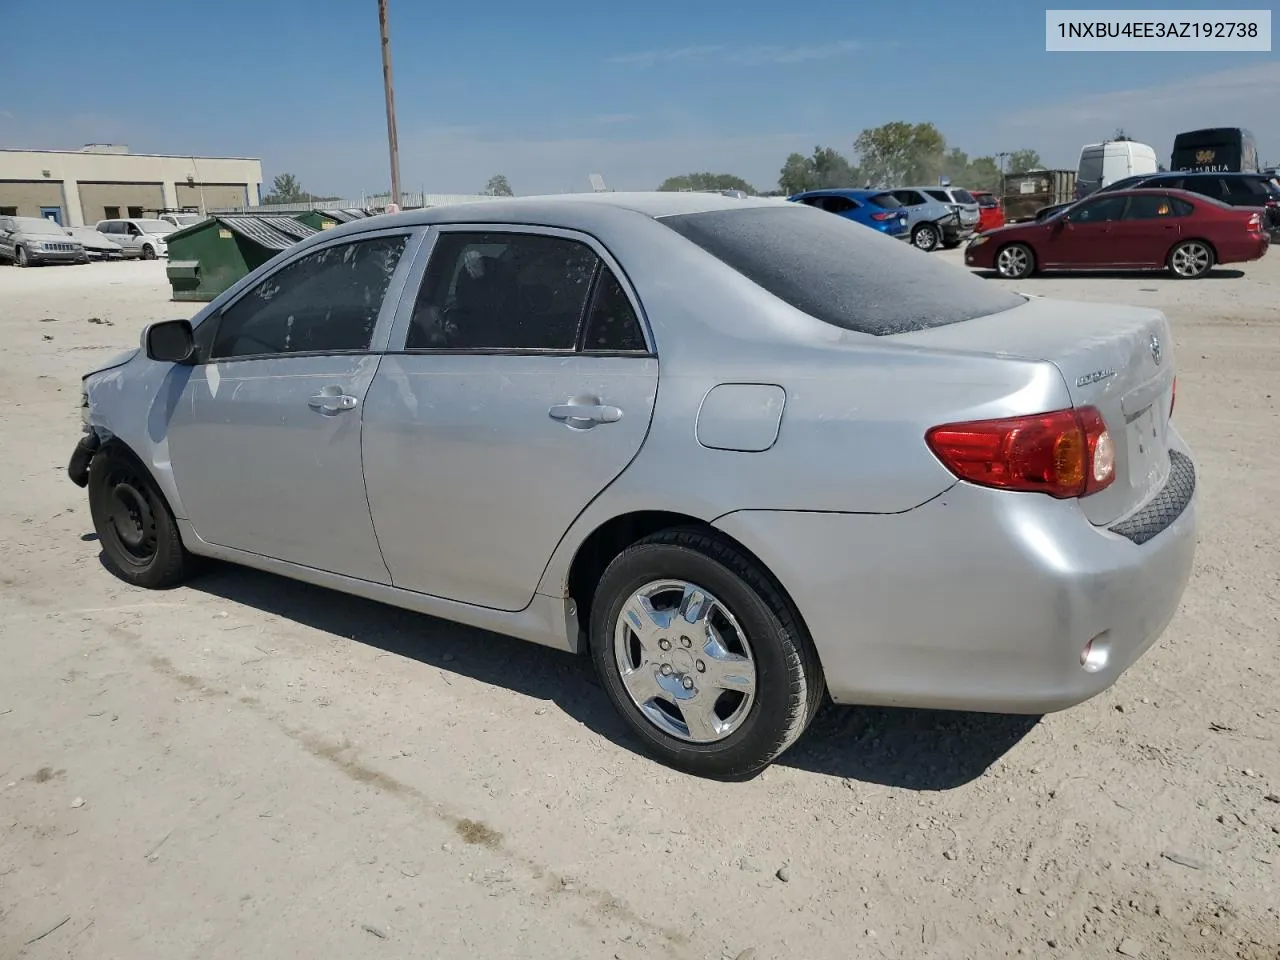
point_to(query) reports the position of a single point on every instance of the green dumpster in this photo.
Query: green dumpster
(327, 219)
(208, 257)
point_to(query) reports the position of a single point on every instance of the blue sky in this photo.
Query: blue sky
(548, 93)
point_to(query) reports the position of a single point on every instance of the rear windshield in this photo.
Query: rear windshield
(886, 200)
(1090, 167)
(987, 200)
(963, 196)
(842, 272)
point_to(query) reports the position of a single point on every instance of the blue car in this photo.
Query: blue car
(876, 209)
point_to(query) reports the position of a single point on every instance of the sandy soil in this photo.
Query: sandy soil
(249, 767)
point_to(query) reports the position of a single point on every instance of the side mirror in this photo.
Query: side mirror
(171, 341)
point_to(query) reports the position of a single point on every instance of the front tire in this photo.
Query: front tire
(702, 655)
(1190, 259)
(925, 237)
(1015, 261)
(134, 524)
(20, 257)
(148, 252)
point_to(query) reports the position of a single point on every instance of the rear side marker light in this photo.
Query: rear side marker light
(1067, 453)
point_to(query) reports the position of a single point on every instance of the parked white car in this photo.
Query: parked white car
(139, 238)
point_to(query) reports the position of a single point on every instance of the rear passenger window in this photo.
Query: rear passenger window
(502, 291)
(325, 302)
(612, 325)
(1150, 206)
(939, 195)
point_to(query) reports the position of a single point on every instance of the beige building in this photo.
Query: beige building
(104, 181)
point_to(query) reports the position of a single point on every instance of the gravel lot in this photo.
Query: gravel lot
(250, 767)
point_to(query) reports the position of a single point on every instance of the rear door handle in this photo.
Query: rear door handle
(585, 414)
(330, 403)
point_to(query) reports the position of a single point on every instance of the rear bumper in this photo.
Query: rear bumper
(979, 600)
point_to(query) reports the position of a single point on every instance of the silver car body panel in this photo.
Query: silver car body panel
(478, 500)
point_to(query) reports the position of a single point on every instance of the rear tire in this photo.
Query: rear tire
(1015, 261)
(720, 689)
(1190, 259)
(134, 523)
(925, 237)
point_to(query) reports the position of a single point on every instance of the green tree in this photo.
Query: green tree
(285, 188)
(825, 169)
(900, 153)
(955, 166)
(499, 186)
(983, 174)
(1020, 161)
(706, 181)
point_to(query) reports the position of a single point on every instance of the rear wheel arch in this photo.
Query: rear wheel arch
(615, 535)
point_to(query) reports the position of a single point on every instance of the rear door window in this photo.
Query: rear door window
(939, 195)
(838, 204)
(859, 279)
(910, 198)
(1150, 206)
(1206, 187)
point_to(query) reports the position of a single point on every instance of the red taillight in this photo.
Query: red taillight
(1255, 223)
(886, 215)
(1067, 453)
(1173, 397)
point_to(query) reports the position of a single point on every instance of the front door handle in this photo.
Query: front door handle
(331, 403)
(585, 414)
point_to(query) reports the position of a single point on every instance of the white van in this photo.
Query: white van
(1102, 164)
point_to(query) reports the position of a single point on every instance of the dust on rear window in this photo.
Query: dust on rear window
(842, 272)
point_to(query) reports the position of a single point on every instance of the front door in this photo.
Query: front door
(524, 387)
(1084, 237)
(265, 444)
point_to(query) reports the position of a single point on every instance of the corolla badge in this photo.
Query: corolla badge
(1156, 350)
(1094, 377)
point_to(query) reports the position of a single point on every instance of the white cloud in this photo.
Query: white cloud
(7, 115)
(751, 56)
(1241, 96)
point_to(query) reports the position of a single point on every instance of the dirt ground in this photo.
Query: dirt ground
(250, 767)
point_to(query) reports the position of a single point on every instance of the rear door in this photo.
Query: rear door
(1151, 225)
(519, 383)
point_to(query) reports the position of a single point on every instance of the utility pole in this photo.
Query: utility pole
(393, 143)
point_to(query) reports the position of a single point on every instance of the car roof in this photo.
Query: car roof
(854, 192)
(1189, 195)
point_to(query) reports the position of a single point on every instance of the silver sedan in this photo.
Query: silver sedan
(742, 452)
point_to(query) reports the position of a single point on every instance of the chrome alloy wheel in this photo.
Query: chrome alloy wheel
(684, 661)
(1012, 262)
(1191, 259)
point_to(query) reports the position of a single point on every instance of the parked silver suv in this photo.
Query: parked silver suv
(28, 241)
(961, 201)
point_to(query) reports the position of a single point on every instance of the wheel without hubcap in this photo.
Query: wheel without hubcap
(685, 661)
(20, 257)
(148, 252)
(1190, 260)
(925, 238)
(1015, 261)
(138, 532)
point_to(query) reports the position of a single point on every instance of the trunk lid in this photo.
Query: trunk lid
(1116, 359)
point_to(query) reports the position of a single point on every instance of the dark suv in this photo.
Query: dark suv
(1234, 189)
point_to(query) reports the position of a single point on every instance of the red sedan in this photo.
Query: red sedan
(1185, 233)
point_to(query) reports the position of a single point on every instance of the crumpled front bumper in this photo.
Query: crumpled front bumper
(78, 468)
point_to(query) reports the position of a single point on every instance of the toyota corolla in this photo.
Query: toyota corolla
(742, 455)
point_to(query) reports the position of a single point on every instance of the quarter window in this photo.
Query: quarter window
(502, 291)
(325, 302)
(612, 325)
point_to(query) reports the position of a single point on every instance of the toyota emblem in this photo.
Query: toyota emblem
(1156, 352)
